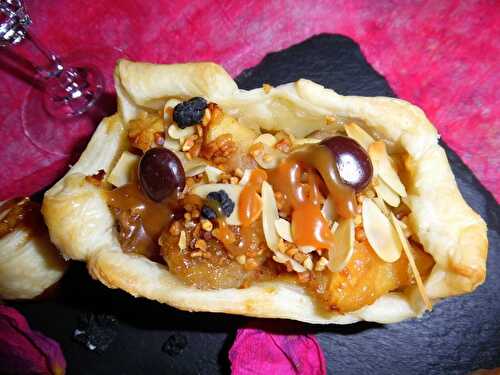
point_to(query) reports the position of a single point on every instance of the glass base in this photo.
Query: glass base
(63, 128)
(73, 92)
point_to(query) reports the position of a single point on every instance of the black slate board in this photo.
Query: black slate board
(460, 335)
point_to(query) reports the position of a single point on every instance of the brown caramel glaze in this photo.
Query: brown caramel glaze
(297, 179)
(20, 213)
(320, 158)
(140, 219)
(250, 205)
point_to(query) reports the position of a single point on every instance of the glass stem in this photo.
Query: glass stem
(54, 66)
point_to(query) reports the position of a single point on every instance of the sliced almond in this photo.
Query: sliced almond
(167, 109)
(335, 225)
(386, 193)
(328, 209)
(122, 172)
(196, 170)
(381, 205)
(343, 238)
(355, 132)
(182, 240)
(305, 141)
(404, 226)
(380, 233)
(213, 174)
(266, 139)
(284, 230)
(175, 132)
(189, 163)
(269, 158)
(233, 191)
(245, 179)
(383, 167)
(411, 260)
(172, 144)
(269, 216)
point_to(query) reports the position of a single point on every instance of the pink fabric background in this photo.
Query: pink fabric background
(441, 55)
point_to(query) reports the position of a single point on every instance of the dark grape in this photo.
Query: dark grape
(161, 174)
(353, 163)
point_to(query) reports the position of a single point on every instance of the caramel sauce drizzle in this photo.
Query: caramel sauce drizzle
(250, 205)
(141, 219)
(304, 198)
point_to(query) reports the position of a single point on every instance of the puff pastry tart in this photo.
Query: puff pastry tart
(283, 202)
(29, 262)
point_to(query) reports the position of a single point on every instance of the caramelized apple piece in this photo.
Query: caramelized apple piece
(365, 278)
(217, 269)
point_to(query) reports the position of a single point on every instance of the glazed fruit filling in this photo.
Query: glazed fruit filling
(225, 206)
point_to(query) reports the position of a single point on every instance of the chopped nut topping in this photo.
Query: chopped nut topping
(251, 264)
(238, 172)
(300, 257)
(282, 246)
(304, 277)
(175, 228)
(359, 234)
(321, 264)
(141, 131)
(215, 114)
(159, 138)
(206, 117)
(256, 149)
(201, 244)
(199, 130)
(241, 259)
(292, 251)
(358, 220)
(280, 200)
(284, 146)
(189, 142)
(284, 142)
(190, 181)
(308, 264)
(219, 149)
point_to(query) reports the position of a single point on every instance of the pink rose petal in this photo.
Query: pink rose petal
(23, 351)
(258, 352)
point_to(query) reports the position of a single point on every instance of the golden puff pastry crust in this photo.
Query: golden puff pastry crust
(82, 226)
(29, 262)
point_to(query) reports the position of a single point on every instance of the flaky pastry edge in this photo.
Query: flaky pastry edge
(83, 228)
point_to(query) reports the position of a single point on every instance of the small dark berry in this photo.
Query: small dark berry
(226, 204)
(216, 196)
(208, 213)
(227, 207)
(190, 112)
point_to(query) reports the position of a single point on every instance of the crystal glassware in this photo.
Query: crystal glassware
(69, 91)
